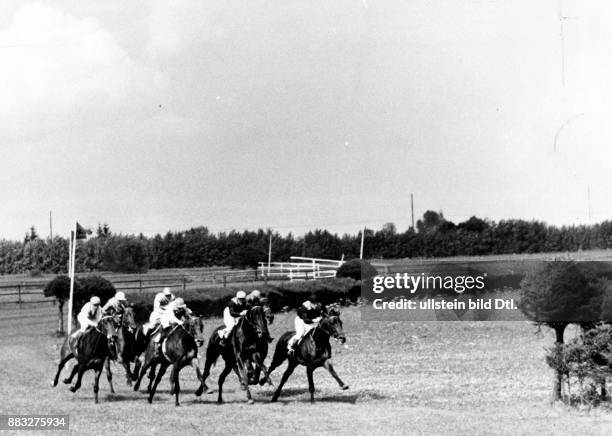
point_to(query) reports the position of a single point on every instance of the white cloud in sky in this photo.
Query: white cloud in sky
(62, 72)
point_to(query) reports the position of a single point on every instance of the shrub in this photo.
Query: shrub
(357, 269)
(211, 302)
(88, 287)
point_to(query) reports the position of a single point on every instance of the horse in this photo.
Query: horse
(92, 349)
(241, 352)
(313, 351)
(179, 349)
(126, 347)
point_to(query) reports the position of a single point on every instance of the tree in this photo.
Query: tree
(557, 294)
(59, 288)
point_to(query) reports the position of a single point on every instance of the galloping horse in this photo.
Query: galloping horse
(126, 347)
(313, 351)
(94, 347)
(242, 351)
(180, 348)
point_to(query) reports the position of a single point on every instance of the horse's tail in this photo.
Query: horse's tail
(212, 349)
(280, 352)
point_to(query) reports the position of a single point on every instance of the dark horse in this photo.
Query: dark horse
(180, 349)
(126, 347)
(94, 347)
(242, 351)
(313, 351)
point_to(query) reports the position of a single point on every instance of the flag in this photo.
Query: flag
(81, 232)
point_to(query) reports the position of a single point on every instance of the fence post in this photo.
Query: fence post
(140, 286)
(224, 280)
(19, 293)
(184, 283)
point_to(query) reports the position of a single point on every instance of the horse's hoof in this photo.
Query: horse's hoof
(345, 387)
(251, 401)
(150, 400)
(219, 401)
(129, 382)
(72, 389)
(66, 381)
(177, 405)
(209, 391)
(274, 399)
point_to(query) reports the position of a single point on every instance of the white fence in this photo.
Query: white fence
(303, 268)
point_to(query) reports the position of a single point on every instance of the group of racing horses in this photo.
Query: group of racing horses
(119, 338)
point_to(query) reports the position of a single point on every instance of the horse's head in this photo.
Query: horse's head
(195, 327)
(129, 319)
(107, 326)
(257, 317)
(268, 314)
(332, 325)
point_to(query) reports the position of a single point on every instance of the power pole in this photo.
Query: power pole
(50, 226)
(412, 210)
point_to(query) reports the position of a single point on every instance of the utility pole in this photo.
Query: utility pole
(50, 227)
(412, 210)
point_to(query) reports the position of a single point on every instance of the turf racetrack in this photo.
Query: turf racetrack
(405, 378)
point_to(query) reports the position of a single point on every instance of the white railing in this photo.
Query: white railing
(304, 269)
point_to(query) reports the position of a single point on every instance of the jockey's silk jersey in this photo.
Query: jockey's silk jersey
(236, 306)
(86, 312)
(309, 311)
(113, 304)
(161, 301)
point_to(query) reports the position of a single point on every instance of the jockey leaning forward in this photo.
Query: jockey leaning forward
(308, 316)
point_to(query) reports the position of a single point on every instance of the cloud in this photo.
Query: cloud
(62, 72)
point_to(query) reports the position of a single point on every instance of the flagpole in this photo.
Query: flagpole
(72, 262)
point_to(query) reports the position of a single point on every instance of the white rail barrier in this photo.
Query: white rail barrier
(307, 268)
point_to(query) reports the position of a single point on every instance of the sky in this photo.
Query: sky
(156, 116)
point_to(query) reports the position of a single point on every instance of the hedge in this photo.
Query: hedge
(281, 297)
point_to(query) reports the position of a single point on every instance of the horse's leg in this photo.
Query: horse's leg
(151, 377)
(60, 366)
(311, 389)
(288, 372)
(328, 366)
(109, 375)
(128, 373)
(222, 376)
(96, 386)
(136, 371)
(77, 385)
(212, 354)
(261, 367)
(143, 371)
(68, 380)
(162, 370)
(176, 385)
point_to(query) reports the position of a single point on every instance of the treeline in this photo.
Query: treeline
(434, 236)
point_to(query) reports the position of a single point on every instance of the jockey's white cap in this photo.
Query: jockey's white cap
(120, 296)
(240, 294)
(94, 300)
(166, 291)
(256, 293)
(179, 302)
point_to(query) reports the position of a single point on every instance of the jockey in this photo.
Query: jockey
(90, 314)
(254, 299)
(236, 308)
(115, 305)
(308, 316)
(175, 314)
(162, 299)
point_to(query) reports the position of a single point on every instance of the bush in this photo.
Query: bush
(87, 287)
(211, 302)
(59, 288)
(356, 269)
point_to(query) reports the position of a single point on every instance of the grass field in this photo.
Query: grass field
(405, 378)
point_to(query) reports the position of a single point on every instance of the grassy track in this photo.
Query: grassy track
(405, 378)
